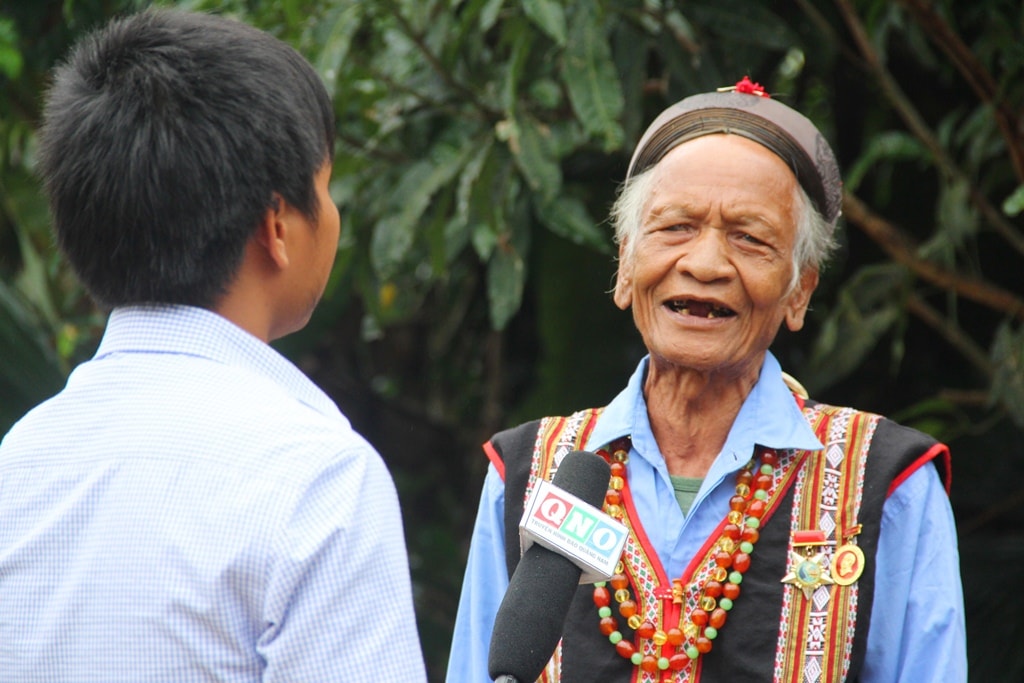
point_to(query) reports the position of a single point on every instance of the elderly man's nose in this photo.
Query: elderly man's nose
(705, 257)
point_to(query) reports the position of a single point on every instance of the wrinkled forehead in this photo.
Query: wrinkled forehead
(784, 131)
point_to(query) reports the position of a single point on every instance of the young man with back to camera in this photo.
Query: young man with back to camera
(191, 507)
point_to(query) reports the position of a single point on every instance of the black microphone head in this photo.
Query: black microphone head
(584, 475)
(532, 614)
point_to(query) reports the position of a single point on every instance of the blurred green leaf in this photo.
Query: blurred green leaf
(531, 149)
(591, 79)
(549, 16)
(889, 147)
(568, 218)
(506, 277)
(1008, 379)
(31, 371)
(1014, 204)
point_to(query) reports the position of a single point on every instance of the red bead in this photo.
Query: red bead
(675, 636)
(745, 477)
(737, 503)
(756, 508)
(649, 664)
(703, 645)
(625, 648)
(613, 497)
(618, 469)
(763, 481)
(677, 661)
(608, 625)
(699, 616)
(723, 559)
(770, 457)
(731, 591)
(713, 589)
(717, 618)
(732, 531)
(602, 597)
(646, 630)
(741, 562)
(619, 581)
(750, 534)
(627, 608)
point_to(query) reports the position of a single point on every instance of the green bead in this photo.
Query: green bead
(692, 652)
(636, 658)
(600, 584)
(725, 603)
(735, 577)
(747, 547)
(767, 469)
(711, 632)
(662, 663)
(752, 522)
(604, 612)
(761, 494)
(614, 637)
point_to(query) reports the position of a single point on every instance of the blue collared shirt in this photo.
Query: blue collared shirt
(917, 619)
(192, 508)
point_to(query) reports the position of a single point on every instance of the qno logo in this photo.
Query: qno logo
(553, 510)
(579, 524)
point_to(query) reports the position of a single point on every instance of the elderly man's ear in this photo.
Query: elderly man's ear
(623, 295)
(797, 301)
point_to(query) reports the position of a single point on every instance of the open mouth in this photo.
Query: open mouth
(701, 309)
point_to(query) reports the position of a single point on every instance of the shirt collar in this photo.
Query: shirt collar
(159, 328)
(768, 417)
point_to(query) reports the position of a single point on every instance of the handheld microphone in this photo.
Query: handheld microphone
(532, 613)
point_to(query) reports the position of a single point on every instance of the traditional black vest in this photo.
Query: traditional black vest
(747, 648)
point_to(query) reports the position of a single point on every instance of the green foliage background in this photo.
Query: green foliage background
(481, 144)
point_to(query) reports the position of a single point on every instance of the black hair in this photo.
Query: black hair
(165, 137)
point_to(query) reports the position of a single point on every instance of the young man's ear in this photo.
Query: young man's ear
(273, 230)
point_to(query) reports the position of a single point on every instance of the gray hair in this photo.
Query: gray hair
(815, 236)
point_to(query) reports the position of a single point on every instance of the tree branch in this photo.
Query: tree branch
(952, 334)
(974, 72)
(902, 249)
(919, 128)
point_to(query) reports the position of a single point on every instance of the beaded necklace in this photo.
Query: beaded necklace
(698, 627)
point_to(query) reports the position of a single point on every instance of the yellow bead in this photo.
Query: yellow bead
(613, 511)
(659, 638)
(742, 490)
(727, 544)
(621, 456)
(616, 483)
(719, 574)
(620, 568)
(622, 595)
(634, 621)
(735, 516)
(708, 603)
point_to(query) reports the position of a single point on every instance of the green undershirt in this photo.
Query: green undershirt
(686, 489)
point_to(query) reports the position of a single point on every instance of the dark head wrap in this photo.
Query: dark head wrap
(752, 114)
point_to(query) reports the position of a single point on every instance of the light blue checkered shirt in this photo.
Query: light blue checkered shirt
(192, 508)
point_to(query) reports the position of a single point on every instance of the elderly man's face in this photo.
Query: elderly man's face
(711, 268)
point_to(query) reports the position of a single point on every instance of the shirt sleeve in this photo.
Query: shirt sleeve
(338, 603)
(483, 587)
(917, 620)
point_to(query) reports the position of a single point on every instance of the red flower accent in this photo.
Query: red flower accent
(746, 86)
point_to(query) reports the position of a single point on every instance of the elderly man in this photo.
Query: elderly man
(771, 537)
